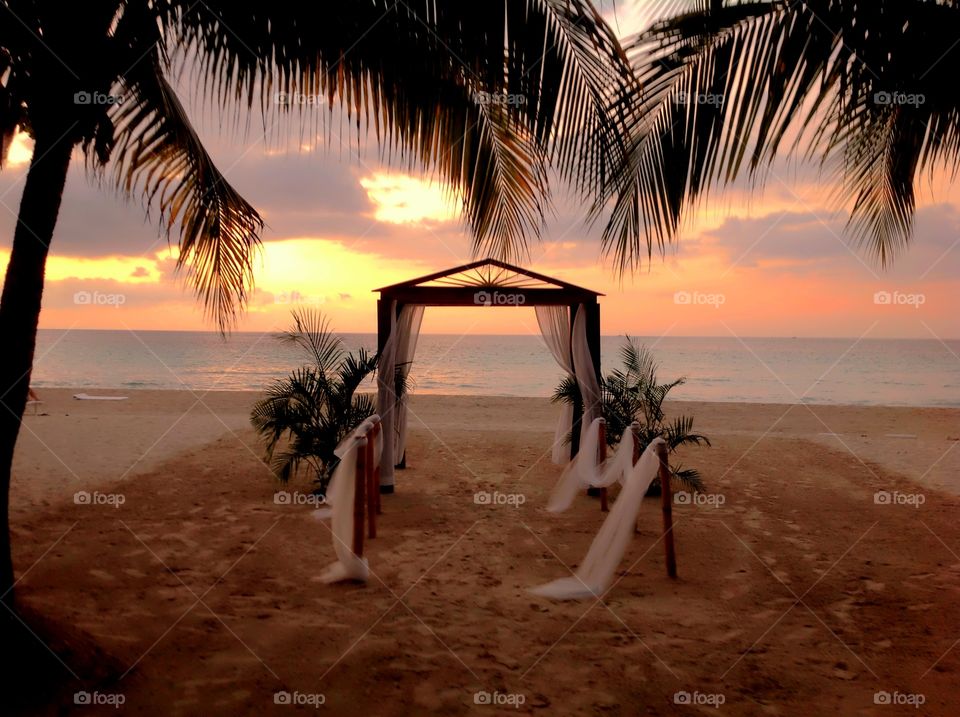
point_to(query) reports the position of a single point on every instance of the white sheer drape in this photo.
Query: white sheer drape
(595, 573)
(340, 499)
(585, 470)
(555, 327)
(585, 372)
(398, 351)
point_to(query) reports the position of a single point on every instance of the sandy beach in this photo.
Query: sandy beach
(798, 592)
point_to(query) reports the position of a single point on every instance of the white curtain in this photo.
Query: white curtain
(585, 469)
(555, 327)
(398, 351)
(340, 499)
(595, 573)
(585, 372)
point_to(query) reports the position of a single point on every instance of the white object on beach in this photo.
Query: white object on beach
(595, 573)
(88, 397)
(584, 470)
(340, 495)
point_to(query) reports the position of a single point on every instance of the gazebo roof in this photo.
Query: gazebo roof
(452, 286)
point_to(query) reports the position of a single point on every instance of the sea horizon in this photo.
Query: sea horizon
(780, 370)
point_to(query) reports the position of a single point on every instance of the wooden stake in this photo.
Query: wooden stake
(372, 490)
(377, 429)
(667, 506)
(636, 457)
(359, 493)
(601, 457)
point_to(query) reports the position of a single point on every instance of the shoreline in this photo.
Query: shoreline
(431, 394)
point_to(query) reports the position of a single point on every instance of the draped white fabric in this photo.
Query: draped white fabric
(585, 470)
(585, 372)
(340, 499)
(595, 573)
(555, 327)
(398, 351)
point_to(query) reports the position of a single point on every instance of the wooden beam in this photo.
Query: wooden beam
(481, 297)
(373, 481)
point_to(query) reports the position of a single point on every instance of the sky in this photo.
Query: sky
(342, 222)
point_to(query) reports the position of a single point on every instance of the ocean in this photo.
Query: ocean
(767, 370)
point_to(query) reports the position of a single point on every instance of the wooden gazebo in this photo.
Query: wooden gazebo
(490, 282)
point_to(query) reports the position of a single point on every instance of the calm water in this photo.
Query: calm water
(776, 370)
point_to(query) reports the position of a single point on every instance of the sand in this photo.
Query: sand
(798, 593)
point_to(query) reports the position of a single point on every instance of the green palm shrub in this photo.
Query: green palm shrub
(633, 393)
(305, 415)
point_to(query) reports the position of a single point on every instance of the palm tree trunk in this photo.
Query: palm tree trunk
(20, 311)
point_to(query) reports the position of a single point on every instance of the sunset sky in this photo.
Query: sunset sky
(341, 223)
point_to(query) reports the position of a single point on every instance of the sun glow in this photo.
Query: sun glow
(402, 199)
(21, 150)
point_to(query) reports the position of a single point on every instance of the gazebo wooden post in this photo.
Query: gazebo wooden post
(372, 482)
(601, 457)
(359, 492)
(578, 403)
(375, 481)
(636, 457)
(667, 507)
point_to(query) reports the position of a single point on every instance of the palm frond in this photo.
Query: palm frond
(412, 74)
(159, 156)
(729, 86)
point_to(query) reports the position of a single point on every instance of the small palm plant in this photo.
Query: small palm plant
(633, 394)
(306, 415)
